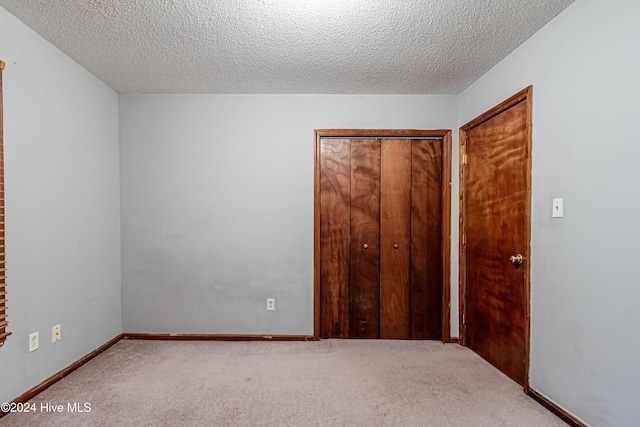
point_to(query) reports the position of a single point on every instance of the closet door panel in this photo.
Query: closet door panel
(426, 239)
(335, 200)
(395, 238)
(364, 300)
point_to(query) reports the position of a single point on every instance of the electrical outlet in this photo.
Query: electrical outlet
(33, 342)
(55, 334)
(271, 304)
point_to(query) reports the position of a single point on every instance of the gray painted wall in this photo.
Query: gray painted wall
(217, 204)
(584, 66)
(62, 208)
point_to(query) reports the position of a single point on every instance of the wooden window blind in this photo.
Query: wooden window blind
(4, 333)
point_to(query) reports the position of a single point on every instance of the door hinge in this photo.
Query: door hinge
(464, 318)
(465, 159)
(464, 239)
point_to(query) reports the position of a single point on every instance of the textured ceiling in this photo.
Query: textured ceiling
(286, 46)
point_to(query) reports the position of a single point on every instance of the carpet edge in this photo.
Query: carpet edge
(31, 393)
(555, 409)
(214, 337)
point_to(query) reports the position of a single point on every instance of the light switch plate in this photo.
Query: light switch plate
(558, 208)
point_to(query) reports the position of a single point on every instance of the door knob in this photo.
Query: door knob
(516, 259)
(395, 246)
(365, 246)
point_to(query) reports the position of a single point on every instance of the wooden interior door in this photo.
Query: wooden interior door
(364, 278)
(335, 239)
(496, 217)
(426, 274)
(410, 239)
(381, 234)
(395, 239)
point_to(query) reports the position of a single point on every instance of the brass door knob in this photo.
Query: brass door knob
(516, 259)
(395, 246)
(365, 246)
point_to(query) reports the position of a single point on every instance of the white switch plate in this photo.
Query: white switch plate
(271, 304)
(558, 208)
(33, 342)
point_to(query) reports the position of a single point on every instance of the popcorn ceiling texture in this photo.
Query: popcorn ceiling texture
(286, 46)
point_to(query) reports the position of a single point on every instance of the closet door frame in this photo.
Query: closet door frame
(445, 135)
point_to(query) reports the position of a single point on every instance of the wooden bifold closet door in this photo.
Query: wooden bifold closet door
(381, 238)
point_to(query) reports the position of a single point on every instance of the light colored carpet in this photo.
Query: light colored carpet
(326, 383)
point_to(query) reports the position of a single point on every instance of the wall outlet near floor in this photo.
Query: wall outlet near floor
(33, 342)
(55, 334)
(271, 304)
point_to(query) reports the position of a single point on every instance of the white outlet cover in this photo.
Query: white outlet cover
(55, 334)
(271, 304)
(33, 342)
